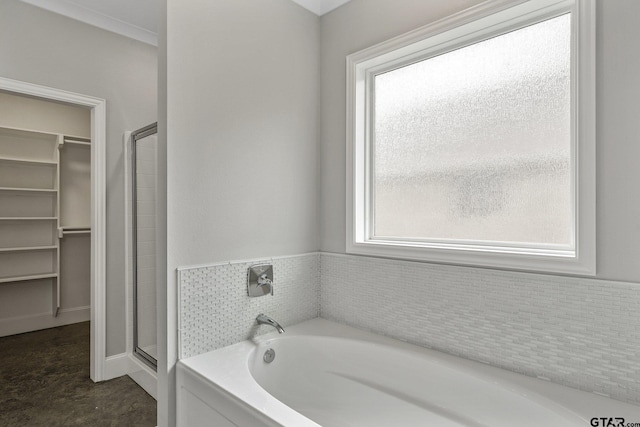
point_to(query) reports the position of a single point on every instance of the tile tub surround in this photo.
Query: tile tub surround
(578, 332)
(582, 333)
(215, 311)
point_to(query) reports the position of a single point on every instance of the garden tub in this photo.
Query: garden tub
(332, 375)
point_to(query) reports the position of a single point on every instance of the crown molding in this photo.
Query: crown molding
(320, 7)
(96, 19)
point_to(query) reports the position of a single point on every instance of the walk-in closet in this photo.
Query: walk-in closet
(45, 214)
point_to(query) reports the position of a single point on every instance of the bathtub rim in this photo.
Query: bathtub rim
(228, 370)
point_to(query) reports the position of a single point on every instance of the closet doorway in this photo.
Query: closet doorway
(46, 211)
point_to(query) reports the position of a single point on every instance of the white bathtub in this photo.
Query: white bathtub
(332, 375)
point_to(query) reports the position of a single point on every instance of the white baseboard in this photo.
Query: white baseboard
(35, 322)
(115, 366)
(144, 376)
(127, 364)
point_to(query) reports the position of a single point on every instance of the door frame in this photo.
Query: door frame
(98, 208)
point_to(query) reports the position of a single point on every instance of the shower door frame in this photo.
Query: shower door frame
(136, 135)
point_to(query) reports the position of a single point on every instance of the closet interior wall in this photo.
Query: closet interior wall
(45, 217)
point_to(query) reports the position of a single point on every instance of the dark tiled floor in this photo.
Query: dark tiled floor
(44, 381)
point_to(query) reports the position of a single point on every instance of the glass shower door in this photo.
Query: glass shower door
(144, 182)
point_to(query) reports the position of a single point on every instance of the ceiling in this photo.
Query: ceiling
(138, 19)
(320, 7)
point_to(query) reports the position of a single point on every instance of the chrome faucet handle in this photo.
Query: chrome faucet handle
(260, 280)
(264, 280)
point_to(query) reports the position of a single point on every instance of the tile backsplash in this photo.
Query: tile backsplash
(583, 333)
(215, 311)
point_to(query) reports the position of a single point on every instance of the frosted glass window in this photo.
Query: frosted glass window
(474, 144)
(471, 140)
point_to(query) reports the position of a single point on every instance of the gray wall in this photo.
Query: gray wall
(40, 47)
(363, 23)
(242, 107)
(241, 140)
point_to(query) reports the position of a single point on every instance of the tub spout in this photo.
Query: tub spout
(266, 320)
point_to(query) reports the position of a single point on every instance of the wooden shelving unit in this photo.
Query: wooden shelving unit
(31, 217)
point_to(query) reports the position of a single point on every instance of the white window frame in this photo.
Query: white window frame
(467, 27)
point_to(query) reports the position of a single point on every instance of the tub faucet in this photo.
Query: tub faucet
(266, 320)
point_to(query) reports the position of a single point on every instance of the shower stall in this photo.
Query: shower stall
(143, 189)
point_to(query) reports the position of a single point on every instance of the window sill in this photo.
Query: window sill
(533, 260)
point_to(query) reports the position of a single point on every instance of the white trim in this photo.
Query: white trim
(115, 366)
(127, 242)
(243, 261)
(320, 7)
(586, 132)
(35, 322)
(91, 17)
(144, 376)
(98, 237)
(486, 19)
(98, 208)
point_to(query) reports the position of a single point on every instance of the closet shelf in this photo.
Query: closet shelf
(28, 161)
(29, 190)
(28, 218)
(62, 231)
(24, 278)
(76, 232)
(10, 130)
(77, 141)
(41, 185)
(28, 248)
